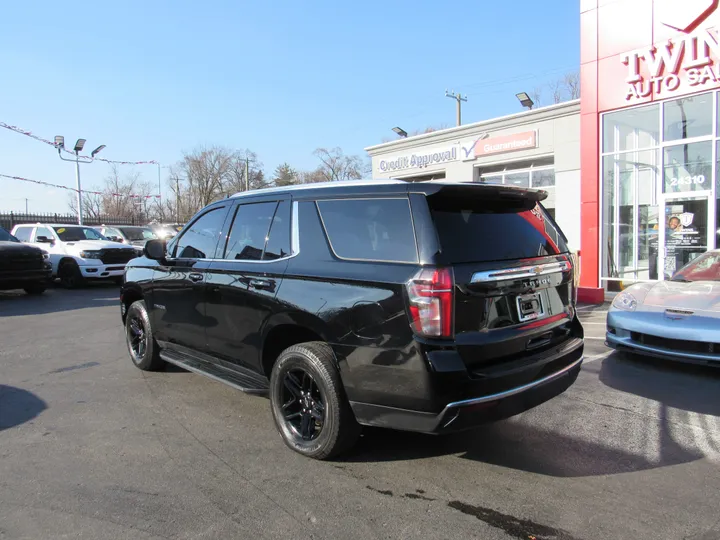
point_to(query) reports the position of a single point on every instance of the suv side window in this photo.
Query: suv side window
(278, 244)
(250, 232)
(200, 239)
(42, 231)
(370, 229)
(23, 234)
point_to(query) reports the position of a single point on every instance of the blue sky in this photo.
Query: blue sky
(153, 79)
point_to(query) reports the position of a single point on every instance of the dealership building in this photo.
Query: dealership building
(630, 168)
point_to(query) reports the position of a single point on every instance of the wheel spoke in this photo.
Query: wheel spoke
(292, 401)
(292, 416)
(306, 381)
(292, 384)
(306, 426)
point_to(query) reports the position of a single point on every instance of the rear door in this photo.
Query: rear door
(513, 272)
(243, 282)
(179, 286)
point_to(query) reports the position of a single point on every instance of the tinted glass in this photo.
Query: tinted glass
(688, 117)
(370, 229)
(249, 231)
(200, 239)
(6, 236)
(74, 234)
(493, 230)
(278, 244)
(704, 268)
(23, 234)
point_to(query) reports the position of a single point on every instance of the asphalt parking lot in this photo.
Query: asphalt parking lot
(91, 447)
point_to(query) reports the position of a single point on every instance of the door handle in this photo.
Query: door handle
(195, 277)
(261, 283)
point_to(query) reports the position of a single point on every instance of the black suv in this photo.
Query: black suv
(429, 307)
(22, 266)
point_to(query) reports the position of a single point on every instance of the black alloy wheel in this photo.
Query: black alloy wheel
(308, 402)
(303, 404)
(70, 276)
(137, 338)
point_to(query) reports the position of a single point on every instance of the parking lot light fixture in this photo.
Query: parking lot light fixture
(78, 159)
(525, 100)
(400, 131)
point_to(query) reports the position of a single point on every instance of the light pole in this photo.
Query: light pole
(79, 145)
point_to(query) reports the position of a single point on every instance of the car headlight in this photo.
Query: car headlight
(90, 254)
(625, 301)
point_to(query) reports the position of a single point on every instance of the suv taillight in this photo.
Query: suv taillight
(430, 295)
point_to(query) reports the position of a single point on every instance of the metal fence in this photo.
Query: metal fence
(9, 219)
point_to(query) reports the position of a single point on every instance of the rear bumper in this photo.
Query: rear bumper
(469, 413)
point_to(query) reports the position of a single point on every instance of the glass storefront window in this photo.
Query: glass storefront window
(543, 178)
(491, 179)
(688, 117)
(521, 179)
(687, 167)
(630, 217)
(631, 129)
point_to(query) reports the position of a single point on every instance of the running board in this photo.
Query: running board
(245, 380)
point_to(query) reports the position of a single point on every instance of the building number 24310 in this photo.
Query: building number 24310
(687, 180)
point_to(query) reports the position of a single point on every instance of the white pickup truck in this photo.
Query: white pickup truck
(77, 253)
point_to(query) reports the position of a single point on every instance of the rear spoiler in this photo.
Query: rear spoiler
(491, 191)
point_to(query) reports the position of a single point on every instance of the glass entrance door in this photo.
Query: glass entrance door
(684, 233)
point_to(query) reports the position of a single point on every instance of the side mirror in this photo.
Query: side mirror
(116, 239)
(44, 240)
(155, 250)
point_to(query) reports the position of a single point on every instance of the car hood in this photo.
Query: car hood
(16, 248)
(696, 295)
(94, 245)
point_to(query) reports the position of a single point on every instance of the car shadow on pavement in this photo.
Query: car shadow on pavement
(18, 406)
(57, 299)
(517, 445)
(688, 387)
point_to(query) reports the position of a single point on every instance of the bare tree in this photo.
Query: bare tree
(572, 84)
(92, 204)
(537, 96)
(336, 166)
(557, 91)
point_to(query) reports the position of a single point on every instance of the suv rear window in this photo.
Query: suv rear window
(370, 229)
(494, 229)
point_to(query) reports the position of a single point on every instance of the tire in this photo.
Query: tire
(36, 289)
(119, 280)
(70, 276)
(309, 402)
(142, 347)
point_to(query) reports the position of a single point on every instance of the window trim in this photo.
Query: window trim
(352, 259)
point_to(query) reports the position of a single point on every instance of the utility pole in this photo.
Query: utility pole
(177, 198)
(247, 173)
(159, 188)
(459, 99)
(26, 205)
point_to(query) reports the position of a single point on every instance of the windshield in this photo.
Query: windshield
(75, 234)
(705, 268)
(6, 236)
(138, 233)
